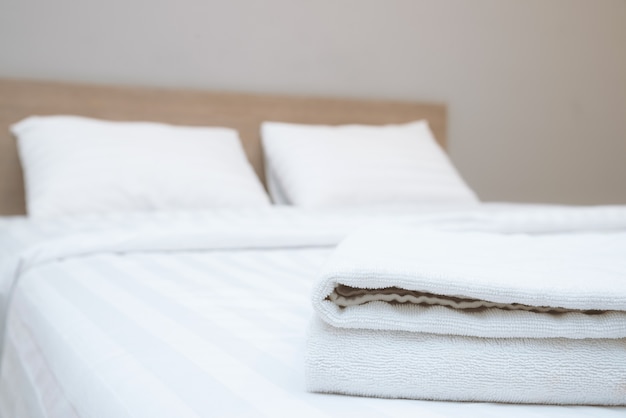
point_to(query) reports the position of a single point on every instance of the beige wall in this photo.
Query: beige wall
(536, 88)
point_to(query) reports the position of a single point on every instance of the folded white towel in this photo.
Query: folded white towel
(573, 272)
(472, 316)
(413, 365)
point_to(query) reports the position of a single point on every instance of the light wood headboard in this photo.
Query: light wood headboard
(244, 112)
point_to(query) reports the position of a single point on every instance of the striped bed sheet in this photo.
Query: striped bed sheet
(186, 315)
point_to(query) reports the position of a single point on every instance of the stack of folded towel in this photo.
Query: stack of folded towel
(472, 316)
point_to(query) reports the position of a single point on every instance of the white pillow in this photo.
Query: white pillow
(324, 166)
(75, 165)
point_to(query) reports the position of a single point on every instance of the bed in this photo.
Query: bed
(187, 312)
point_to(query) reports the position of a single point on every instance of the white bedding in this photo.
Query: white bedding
(188, 315)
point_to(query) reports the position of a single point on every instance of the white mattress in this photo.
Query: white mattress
(185, 315)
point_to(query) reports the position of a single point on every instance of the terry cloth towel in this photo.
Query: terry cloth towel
(472, 316)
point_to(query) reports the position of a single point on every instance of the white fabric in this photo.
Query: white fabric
(568, 270)
(583, 271)
(24, 241)
(416, 365)
(191, 315)
(274, 187)
(74, 165)
(330, 166)
(9, 220)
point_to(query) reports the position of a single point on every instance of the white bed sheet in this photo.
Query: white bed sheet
(186, 315)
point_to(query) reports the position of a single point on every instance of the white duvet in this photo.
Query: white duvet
(194, 315)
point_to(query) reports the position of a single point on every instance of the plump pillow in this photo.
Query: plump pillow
(326, 166)
(75, 165)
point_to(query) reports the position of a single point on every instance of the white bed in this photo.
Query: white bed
(190, 314)
(153, 307)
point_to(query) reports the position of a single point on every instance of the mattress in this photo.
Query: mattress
(189, 315)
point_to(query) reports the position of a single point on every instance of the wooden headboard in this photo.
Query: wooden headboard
(243, 112)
